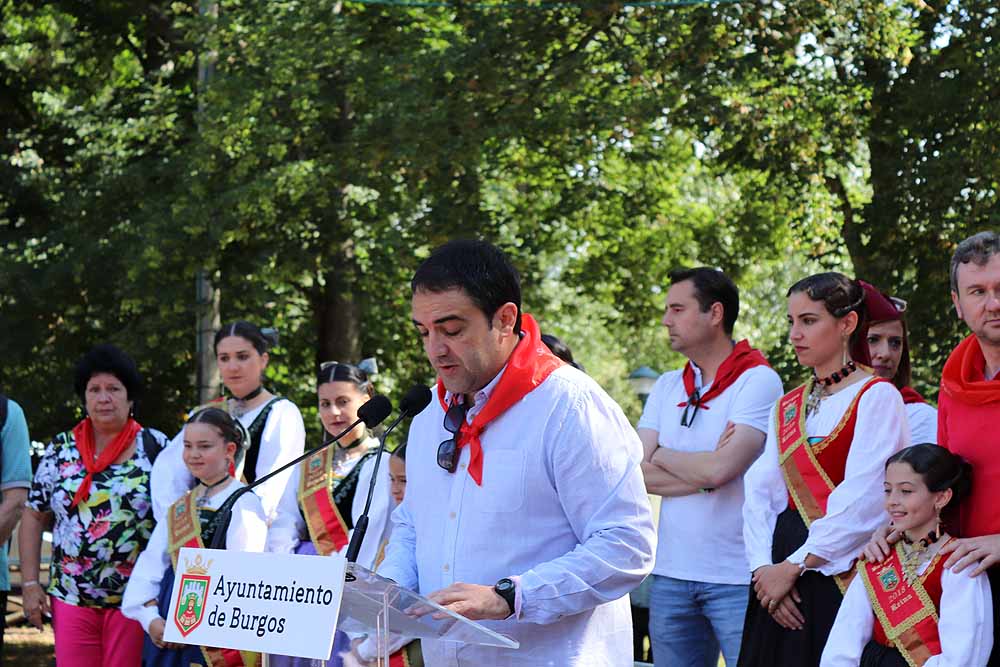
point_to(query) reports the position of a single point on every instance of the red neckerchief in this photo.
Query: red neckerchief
(963, 376)
(528, 366)
(83, 434)
(742, 358)
(911, 395)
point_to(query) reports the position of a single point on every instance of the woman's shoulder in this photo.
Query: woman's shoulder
(62, 445)
(878, 392)
(283, 408)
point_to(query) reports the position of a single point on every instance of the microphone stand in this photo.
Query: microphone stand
(219, 538)
(361, 525)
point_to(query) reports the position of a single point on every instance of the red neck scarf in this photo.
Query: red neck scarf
(528, 366)
(742, 358)
(83, 434)
(964, 376)
(911, 395)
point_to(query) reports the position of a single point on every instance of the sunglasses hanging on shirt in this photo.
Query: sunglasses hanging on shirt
(694, 401)
(447, 454)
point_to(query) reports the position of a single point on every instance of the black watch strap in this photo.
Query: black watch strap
(506, 589)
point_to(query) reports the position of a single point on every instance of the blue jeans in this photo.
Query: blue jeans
(690, 620)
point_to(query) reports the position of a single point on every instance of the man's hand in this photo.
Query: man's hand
(477, 603)
(984, 550)
(727, 435)
(772, 583)
(880, 544)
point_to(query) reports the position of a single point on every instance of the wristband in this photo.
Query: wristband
(33, 582)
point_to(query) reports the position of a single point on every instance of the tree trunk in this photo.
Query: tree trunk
(338, 309)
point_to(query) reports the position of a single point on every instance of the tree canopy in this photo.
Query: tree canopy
(600, 143)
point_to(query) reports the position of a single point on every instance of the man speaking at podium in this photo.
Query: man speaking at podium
(525, 506)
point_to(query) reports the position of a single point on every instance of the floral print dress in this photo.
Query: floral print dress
(95, 545)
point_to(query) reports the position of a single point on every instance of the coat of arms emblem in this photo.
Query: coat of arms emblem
(889, 579)
(192, 596)
(789, 413)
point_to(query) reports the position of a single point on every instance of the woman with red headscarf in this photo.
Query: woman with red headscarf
(889, 347)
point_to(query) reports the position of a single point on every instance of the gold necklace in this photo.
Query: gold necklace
(916, 554)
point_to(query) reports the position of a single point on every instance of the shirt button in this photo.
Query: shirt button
(452, 515)
(446, 568)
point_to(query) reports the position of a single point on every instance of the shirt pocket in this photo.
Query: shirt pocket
(503, 480)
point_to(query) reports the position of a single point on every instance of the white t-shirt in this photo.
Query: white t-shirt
(922, 418)
(700, 535)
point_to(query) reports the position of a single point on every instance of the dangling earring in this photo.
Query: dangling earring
(844, 352)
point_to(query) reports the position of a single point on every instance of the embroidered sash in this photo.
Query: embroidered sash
(408, 656)
(183, 527)
(809, 482)
(328, 528)
(184, 530)
(906, 610)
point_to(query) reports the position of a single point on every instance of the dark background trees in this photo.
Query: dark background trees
(336, 143)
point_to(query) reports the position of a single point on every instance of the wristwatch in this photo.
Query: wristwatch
(505, 588)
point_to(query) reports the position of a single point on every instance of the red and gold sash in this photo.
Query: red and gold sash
(813, 471)
(184, 530)
(183, 527)
(907, 611)
(327, 528)
(408, 656)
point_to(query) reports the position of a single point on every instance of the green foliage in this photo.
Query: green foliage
(602, 144)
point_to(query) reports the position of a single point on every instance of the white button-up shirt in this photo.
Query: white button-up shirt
(562, 506)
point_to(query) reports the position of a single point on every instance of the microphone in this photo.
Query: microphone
(413, 403)
(371, 413)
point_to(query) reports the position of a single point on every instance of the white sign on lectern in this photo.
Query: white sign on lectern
(256, 601)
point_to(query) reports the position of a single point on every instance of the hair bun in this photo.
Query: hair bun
(271, 335)
(369, 366)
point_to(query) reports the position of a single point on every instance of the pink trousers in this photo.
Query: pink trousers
(91, 637)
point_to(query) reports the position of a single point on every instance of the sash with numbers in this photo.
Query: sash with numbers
(907, 611)
(184, 530)
(813, 470)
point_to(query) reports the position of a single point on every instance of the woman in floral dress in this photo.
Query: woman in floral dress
(93, 481)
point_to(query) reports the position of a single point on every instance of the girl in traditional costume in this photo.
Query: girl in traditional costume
(814, 496)
(909, 610)
(889, 348)
(214, 443)
(274, 424)
(327, 492)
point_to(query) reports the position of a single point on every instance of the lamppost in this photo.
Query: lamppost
(642, 380)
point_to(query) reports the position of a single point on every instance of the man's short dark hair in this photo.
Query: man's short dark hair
(978, 249)
(712, 286)
(478, 267)
(107, 358)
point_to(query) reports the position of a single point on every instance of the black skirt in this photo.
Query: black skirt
(876, 655)
(767, 644)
